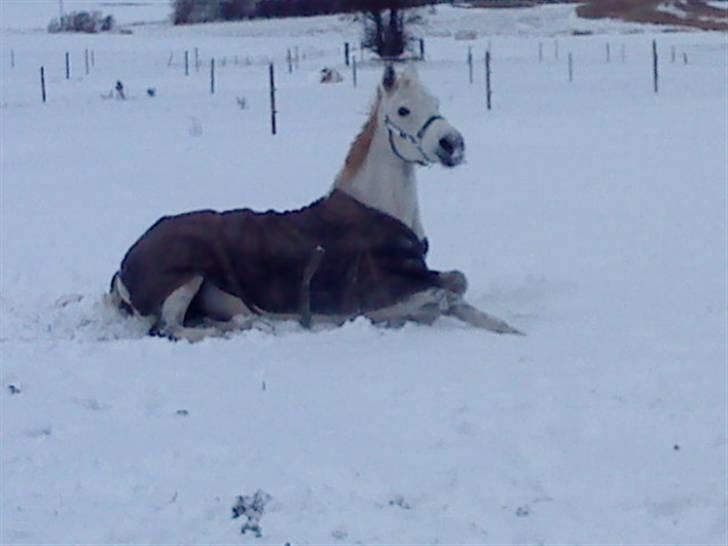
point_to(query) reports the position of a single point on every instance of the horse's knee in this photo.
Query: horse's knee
(423, 307)
(453, 281)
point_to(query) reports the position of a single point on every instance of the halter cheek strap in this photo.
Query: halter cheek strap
(415, 139)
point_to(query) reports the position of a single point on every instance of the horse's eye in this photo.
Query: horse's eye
(403, 111)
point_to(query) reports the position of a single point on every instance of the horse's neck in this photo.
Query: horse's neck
(386, 183)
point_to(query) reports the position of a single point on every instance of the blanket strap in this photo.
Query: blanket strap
(309, 271)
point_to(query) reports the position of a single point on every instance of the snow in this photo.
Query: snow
(592, 215)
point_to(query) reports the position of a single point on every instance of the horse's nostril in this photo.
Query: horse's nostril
(446, 145)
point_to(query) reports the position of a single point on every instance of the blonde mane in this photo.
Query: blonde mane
(360, 147)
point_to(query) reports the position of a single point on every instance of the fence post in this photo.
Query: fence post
(422, 49)
(289, 59)
(654, 64)
(571, 68)
(187, 63)
(68, 66)
(86, 60)
(42, 83)
(470, 64)
(212, 76)
(197, 59)
(487, 79)
(346, 53)
(353, 69)
(272, 99)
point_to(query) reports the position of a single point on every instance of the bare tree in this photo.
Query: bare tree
(384, 26)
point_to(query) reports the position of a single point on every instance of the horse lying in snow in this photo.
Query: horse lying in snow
(360, 250)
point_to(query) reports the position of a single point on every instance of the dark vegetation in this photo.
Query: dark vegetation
(200, 11)
(89, 22)
(384, 20)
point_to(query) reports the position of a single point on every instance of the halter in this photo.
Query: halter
(415, 139)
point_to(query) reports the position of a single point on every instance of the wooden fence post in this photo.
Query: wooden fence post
(272, 99)
(68, 66)
(197, 59)
(86, 60)
(470, 64)
(422, 49)
(212, 76)
(187, 63)
(42, 83)
(571, 67)
(353, 69)
(654, 65)
(346, 53)
(487, 79)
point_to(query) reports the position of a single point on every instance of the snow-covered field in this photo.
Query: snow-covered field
(590, 214)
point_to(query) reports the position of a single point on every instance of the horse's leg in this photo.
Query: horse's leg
(423, 307)
(446, 299)
(466, 312)
(225, 311)
(174, 308)
(120, 296)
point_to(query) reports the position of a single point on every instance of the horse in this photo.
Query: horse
(360, 250)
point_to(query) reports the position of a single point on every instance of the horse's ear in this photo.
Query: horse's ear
(389, 78)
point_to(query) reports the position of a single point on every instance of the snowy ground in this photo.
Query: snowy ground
(590, 214)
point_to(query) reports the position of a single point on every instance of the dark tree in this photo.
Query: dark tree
(384, 26)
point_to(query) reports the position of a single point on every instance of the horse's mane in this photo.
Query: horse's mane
(360, 147)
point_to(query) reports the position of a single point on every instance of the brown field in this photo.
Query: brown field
(698, 14)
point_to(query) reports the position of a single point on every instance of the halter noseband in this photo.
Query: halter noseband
(415, 139)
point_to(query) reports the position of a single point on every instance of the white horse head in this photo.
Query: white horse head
(417, 131)
(405, 129)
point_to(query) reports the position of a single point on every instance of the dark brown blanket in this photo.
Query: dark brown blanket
(370, 259)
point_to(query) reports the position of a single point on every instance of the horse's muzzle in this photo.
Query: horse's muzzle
(451, 149)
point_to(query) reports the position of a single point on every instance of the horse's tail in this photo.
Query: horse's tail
(120, 295)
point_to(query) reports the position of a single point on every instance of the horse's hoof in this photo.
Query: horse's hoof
(454, 281)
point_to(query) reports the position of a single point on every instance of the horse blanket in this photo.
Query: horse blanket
(357, 259)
